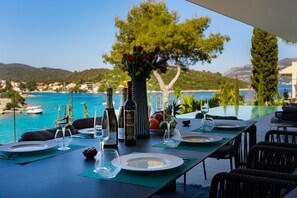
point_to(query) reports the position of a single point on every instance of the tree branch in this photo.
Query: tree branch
(178, 70)
(159, 79)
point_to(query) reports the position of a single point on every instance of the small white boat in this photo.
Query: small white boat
(34, 110)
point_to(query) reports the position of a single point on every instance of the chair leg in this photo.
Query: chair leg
(231, 164)
(204, 170)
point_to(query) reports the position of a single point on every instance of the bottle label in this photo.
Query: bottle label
(112, 139)
(121, 133)
(130, 125)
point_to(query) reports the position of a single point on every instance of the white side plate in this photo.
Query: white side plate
(228, 126)
(86, 131)
(203, 138)
(27, 146)
(149, 162)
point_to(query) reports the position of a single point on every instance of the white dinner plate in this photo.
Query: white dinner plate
(228, 126)
(200, 138)
(149, 162)
(86, 131)
(27, 146)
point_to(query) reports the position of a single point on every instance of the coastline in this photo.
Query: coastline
(3, 102)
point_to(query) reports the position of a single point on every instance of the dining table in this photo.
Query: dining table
(69, 174)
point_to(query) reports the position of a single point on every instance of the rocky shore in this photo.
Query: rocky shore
(3, 102)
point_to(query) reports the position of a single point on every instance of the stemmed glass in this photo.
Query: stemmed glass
(63, 136)
(171, 138)
(101, 135)
(207, 123)
(204, 107)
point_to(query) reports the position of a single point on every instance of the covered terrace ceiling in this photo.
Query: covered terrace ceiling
(278, 17)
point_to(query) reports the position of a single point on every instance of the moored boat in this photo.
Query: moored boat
(34, 110)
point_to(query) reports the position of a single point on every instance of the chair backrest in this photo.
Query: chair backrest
(83, 123)
(243, 143)
(200, 116)
(42, 135)
(234, 185)
(281, 136)
(272, 158)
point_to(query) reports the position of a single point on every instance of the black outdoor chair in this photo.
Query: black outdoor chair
(276, 157)
(237, 148)
(83, 123)
(42, 135)
(281, 136)
(252, 184)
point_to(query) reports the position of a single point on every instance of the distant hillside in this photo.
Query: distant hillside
(244, 72)
(21, 72)
(189, 80)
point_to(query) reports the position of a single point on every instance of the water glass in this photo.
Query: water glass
(107, 163)
(63, 115)
(63, 137)
(172, 138)
(207, 124)
(101, 135)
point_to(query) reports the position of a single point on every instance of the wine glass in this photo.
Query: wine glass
(168, 117)
(107, 163)
(207, 123)
(101, 134)
(168, 114)
(204, 107)
(158, 103)
(63, 136)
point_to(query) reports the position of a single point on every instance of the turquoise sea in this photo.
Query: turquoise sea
(50, 102)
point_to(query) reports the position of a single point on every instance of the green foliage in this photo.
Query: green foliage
(189, 104)
(86, 111)
(20, 72)
(177, 93)
(8, 86)
(14, 96)
(264, 53)
(31, 85)
(236, 92)
(227, 95)
(260, 91)
(150, 24)
(70, 112)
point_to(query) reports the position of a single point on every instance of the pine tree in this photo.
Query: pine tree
(264, 53)
(260, 91)
(236, 92)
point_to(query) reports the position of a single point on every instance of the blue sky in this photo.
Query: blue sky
(73, 34)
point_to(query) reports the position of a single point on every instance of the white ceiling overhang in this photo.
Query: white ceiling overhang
(278, 17)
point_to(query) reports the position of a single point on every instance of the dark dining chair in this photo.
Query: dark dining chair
(252, 184)
(281, 136)
(237, 148)
(83, 123)
(273, 157)
(42, 135)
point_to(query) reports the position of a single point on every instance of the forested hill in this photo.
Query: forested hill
(21, 72)
(189, 80)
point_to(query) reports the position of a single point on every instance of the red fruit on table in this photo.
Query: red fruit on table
(158, 116)
(154, 123)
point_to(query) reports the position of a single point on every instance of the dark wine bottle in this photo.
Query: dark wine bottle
(121, 130)
(130, 118)
(113, 124)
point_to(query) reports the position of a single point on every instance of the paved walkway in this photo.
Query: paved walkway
(214, 166)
